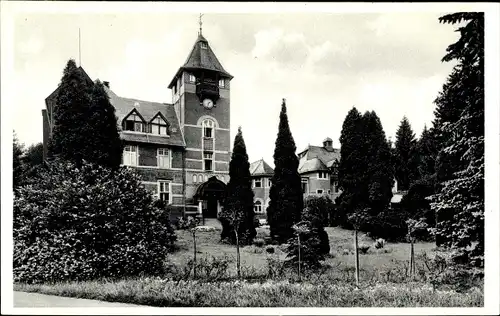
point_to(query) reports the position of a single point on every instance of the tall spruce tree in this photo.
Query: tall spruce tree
(406, 156)
(380, 173)
(71, 133)
(352, 175)
(106, 146)
(459, 202)
(286, 201)
(238, 214)
(427, 149)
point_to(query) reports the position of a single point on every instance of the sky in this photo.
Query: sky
(322, 63)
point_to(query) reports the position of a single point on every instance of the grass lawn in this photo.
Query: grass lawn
(333, 288)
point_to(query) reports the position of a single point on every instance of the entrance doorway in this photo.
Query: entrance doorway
(210, 194)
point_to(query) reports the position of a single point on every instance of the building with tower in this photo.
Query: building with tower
(182, 149)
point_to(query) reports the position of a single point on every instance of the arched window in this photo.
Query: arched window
(195, 178)
(159, 126)
(257, 207)
(133, 123)
(208, 128)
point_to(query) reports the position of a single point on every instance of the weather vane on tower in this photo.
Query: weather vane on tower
(201, 23)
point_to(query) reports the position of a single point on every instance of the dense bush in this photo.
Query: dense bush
(316, 212)
(84, 223)
(312, 251)
(389, 224)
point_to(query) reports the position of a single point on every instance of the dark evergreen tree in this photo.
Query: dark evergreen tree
(427, 149)
(286, 201)
(377, 156)
(405, 156)
(352, 175)
(106, 147)
(238, 213)
(459, 202)
(71, 133)
(17, 163)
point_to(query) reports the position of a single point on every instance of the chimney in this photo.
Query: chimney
(106, 83)
(328, 144)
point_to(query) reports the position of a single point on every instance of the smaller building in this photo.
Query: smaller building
(318, 168)
(261, 174)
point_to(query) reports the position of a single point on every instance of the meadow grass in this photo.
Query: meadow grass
(383, 280)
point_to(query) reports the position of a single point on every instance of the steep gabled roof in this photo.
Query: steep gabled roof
(312, 165)
(260, 168)
(201, 58)
(148, 110)
(317, 157)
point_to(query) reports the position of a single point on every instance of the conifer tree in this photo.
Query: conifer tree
(71, 134)
(427, 149)
(238, 213)
(352, 174)
(405, 160)
(377, 156)
(106, 146)
(459, 202)
(286, 201)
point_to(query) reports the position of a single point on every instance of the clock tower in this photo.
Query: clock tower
(200, 94)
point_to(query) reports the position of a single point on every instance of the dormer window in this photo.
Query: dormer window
(159, 126)
(134, 123)
(192, 78)
(322, 175)
(204, 45)
(222, 83)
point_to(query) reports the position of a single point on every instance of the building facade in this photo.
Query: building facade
(181, 149)
(318, 168)
(261, 174)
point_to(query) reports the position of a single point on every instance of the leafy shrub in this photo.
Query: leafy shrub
(259, 242)
(187, 223)
(316, 215)
(388, 224)
(363, 249)
(379, 243)
(85, 223)
(311, 249)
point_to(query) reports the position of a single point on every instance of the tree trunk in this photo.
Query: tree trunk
(194, 257)
(298, 239)
(412, 259)
(238, 267)
(356, 252)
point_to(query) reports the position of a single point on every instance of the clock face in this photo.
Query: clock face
(208, 104)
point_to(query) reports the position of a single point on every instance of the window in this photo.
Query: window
(163, 158)
(207, 159)
(269, 183)
(322, 175)
(204, 45)
(222, 83)
(195, 178)
(164, 191)
(133, 123)
(208, 126)
(319, 191)
(329, 191)
(257, 183)
(159, 126)
(336, 186)
(206, 178)
(192, 78)
(130, 155)
(304, 185)
(257, 207)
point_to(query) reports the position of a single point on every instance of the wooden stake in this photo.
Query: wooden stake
(298, 239)
(356, 255)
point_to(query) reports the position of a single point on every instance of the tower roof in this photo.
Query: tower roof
(201, 57)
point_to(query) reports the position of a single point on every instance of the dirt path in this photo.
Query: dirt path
(23, 299)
